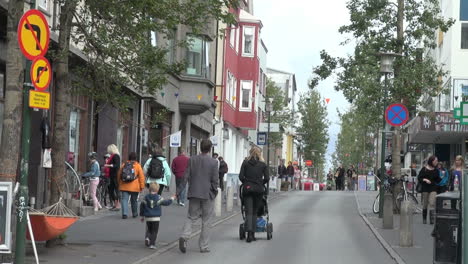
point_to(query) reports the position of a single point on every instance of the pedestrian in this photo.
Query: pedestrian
(456, 173)
(105, 179)
(290, 172)
(157, 170)
(131, 183)
(202, 176)
(428, 178)
(151, 212)
(114, 166)
(223, 169)
(253, 175)
(352, 175)
(215, 156)
(444, 175)
(282, 172)
(339, 178)
(297, 177)
(178, 166)
(94, 173)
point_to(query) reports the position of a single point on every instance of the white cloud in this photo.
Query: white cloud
(295, 32)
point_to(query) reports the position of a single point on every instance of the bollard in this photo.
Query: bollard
(388, 211)
(229, 198)
(278, 184)
(218, 202)
(303, 183)
(406, 224)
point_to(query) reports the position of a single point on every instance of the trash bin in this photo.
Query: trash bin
(446, 228)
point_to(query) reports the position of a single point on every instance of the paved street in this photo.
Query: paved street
(309, 227)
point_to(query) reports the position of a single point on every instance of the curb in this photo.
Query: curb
(194, 234)
(393, 254)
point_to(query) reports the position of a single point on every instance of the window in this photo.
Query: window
(247, 49)
(232, 37)
(43, 4)
(246, 96)
(464, 36)
(464, 10)
(231, 86)
(237, 39)
(171, 46)
(198, 57)
(153, 36)
(73, 137)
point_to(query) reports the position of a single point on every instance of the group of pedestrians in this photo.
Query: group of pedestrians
(291, 174)
(340, 180)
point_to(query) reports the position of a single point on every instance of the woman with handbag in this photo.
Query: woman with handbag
(429, 178)
(253, 175)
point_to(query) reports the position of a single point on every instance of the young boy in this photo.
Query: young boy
(150, 210)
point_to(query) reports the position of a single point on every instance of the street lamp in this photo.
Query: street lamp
(386, 67)
(268, 109)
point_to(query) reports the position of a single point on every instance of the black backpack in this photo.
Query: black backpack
(155, 169)
(128, 172)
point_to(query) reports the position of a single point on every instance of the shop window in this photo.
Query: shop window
(464, 36)
(73, 138)
(248, 43)
(198, 56)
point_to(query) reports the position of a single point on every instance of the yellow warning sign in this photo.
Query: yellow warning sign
(41, 73)
(39, 99)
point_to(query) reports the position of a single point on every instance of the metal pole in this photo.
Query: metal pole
(382, 155)
(464, 226)
(268, 141)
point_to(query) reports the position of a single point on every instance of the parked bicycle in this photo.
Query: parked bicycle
(403, 195)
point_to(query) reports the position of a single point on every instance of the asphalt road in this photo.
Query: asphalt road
(309, 227)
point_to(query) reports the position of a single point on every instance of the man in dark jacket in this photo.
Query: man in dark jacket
(223, 169)
(339, 178)
(282, 171)
(202, 176)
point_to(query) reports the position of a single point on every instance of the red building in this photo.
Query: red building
(241, 72)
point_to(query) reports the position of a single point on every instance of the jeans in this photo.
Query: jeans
(133, 200)
(252, 203)
(199, 208)
(181, 189)
(93, 184)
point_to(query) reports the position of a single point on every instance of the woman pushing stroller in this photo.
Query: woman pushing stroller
(253, 175)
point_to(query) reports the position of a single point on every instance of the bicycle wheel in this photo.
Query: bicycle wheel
(413, 203)
(376, 206)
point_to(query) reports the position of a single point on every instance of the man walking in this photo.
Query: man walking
(282, 171)
(339, 178)
(223, 169)
(203, 177)
(351, 173)
(179, 165)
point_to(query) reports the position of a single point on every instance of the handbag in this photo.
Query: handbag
(253, 188)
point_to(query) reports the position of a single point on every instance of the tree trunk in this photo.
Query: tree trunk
(11, 134)
(62, 110)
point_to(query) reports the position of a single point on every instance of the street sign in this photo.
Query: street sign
(309, 163)
(33, 34)
(41, 73)
(39, 100)
(457, 112)
(274, 127)
(261, 138)
(396, 115)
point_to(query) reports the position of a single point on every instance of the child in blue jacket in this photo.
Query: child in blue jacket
(150, 210)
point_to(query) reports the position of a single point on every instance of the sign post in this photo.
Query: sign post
(33, 38)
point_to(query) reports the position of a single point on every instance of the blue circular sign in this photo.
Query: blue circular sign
(396, 115)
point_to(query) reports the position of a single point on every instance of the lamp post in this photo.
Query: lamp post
(299, 139)
(386, 67)
(268, 109)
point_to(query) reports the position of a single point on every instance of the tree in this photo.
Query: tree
(313, 127)
(379, 26)
(115, 37)
(280, 114)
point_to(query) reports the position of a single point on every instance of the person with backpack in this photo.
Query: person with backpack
(223, 169)
(157, 170)
(150, 210)
(131, 183)
(113, 164)
(94, 175)
(178, 166)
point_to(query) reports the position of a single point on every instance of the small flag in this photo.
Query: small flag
(162, 94)
(199, 96)
(233, 98)
(327, 100)
(176, 94)
(215, 98)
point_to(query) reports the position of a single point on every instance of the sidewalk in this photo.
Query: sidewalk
(422, 250)
(107, 238)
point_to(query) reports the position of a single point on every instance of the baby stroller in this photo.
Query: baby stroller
(263, 217)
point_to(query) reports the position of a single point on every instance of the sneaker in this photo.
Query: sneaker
(152, 247)
(182, 204)
(124, 217)
(147, 242)
(205, 250)
(183, 245)
(96, 209)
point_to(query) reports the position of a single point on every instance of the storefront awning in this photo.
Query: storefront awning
(436, 128)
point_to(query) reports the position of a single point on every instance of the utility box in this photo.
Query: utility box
(446, 229)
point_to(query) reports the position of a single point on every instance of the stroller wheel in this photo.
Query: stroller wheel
(269, 231)
(241, 232)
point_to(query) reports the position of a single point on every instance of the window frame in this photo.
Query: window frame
(252, 53)
(204, 57)
(241, 91)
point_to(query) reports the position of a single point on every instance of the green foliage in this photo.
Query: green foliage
(313, 127)
(115, 36)
(281, 113)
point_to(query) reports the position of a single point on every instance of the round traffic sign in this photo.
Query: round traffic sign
(33, 34)
(396, 115)
(41, 73)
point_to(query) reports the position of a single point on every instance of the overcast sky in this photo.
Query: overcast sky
(294, 32)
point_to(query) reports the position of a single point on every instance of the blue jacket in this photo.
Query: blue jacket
(151, 205)
(444, 178)
(95, 171)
